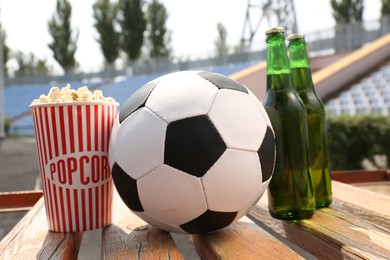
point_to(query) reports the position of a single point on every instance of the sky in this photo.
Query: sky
(193, 24)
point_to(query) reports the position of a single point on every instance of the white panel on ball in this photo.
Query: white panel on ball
(238, 120)
(233, 181)
(165, 194)
(141, 138)
(261, 107)
(158, 223)
(112, 143)
(263, 187)
(181, 95)
(245, 208)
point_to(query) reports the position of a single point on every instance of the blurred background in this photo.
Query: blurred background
(189, 29)
(118, 46)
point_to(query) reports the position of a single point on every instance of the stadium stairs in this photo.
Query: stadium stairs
(331, 74)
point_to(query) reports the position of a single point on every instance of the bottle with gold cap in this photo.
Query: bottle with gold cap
(316, 119)
(290, 192)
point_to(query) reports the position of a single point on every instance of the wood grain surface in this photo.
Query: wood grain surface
(333, 233)
(31, 239)
(129, 237)
(242, 240)
(18, 200)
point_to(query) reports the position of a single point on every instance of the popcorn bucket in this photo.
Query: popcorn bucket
(72, 145)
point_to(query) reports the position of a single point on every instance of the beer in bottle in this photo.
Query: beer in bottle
(316, 119)
(290, 192)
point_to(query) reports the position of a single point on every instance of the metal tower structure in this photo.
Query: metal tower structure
(270, 12)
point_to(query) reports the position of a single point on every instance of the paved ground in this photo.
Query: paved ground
(18, 164)
(18, 171)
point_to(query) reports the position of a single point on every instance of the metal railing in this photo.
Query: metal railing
(339, 38)
(348, 36)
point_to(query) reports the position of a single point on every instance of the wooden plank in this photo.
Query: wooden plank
(360, 176)
(18, 200)
(365, 204)
(30, 238)
(292, 232)
(359, 197)
(129, 237)
(241, 240)
(331, 233)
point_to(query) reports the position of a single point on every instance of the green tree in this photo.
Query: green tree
(220, 43)
(29, 64)
(41, 67)
(6, 50)
(347, 11)
(133, 25)
(64, 41)
(158, 35)
(348, 15)
(24, 63)
(385, 10)
(105, 14)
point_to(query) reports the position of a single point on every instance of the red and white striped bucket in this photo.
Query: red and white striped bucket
(72, 145)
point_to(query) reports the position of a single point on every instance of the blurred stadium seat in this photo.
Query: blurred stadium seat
(22, 126)
(19, 97)
(369, 96)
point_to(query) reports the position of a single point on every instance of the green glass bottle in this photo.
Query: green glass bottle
(290, 191)
(316, 119)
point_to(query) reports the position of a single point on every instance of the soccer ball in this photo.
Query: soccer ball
(191, 152)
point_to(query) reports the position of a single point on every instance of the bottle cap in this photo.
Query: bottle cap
(295, 36)
(274, 30)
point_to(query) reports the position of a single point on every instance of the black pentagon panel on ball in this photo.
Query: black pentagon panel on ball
(127, 188)
(193, 145)
(266, 154)
(222, 82)
(209, 221)
(136, 100)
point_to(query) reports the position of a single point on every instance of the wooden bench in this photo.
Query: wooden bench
(356, 225)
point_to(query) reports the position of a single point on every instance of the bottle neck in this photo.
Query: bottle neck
(298, 54)
(278, 68)
(301, 79)
(299, 63)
